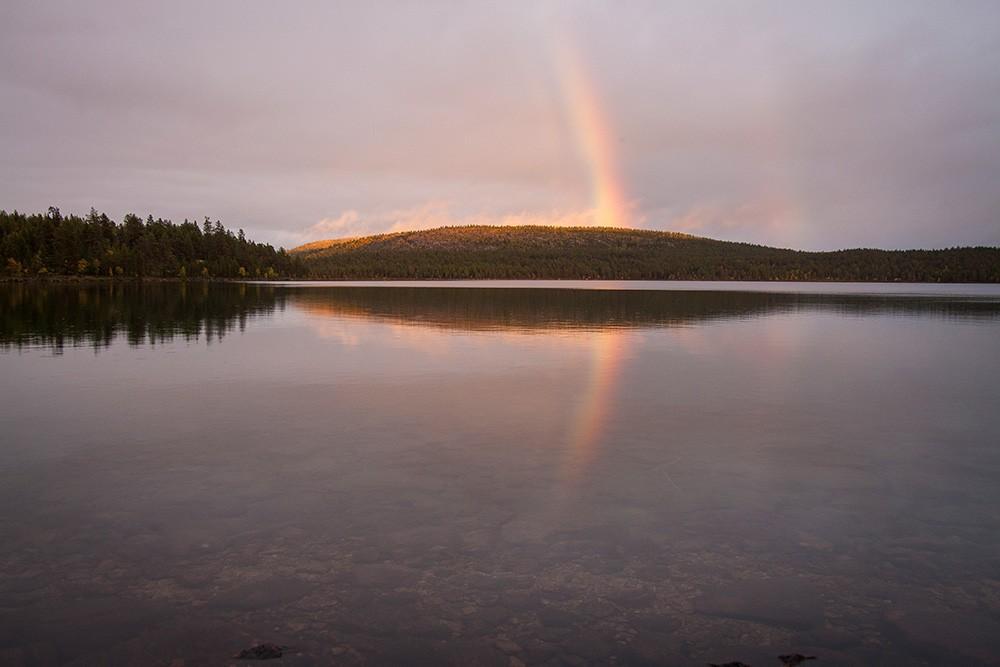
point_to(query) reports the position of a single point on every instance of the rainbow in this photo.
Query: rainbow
(594, 409)
(596, 143)
(594, 138)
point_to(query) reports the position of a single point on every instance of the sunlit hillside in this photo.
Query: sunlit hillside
(622, 254)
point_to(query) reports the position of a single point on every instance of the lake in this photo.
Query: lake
(500, 473)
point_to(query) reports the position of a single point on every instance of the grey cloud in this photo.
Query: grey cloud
(811, 123)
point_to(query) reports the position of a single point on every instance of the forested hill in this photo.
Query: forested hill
(623, 254)
(54, 244)
(95, 245)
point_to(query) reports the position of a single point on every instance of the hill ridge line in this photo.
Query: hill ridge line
(613, 253)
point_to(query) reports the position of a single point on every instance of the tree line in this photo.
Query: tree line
(94, 245)
(615, 254)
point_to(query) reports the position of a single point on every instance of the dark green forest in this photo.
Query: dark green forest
(54, 244)
(624, 254)
(51, 244)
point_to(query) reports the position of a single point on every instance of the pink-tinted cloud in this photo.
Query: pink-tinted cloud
(437, 214)
(763, 220)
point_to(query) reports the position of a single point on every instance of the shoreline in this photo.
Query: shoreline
(81, 280)
(69, 280)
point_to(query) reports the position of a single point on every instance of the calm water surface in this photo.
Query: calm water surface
(493, 475)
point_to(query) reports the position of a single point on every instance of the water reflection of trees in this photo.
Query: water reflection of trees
(58, 315)
(543, 308)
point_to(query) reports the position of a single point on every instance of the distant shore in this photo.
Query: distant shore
(100, 280)
(71, 249)
(73, 280)
(593, 253)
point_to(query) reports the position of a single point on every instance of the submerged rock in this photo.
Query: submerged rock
(791, 659)
(507, 646)
(266, 651)
(952, 636)
(265, 593)
(553, 617)
(790, 602)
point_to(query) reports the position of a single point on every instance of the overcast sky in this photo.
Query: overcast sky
(806, 124)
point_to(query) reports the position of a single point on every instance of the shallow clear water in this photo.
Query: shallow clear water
(677, 474)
